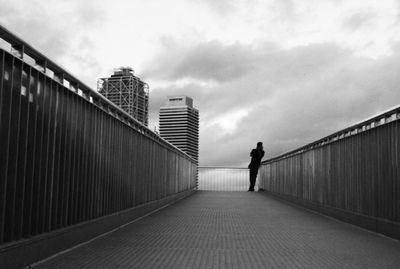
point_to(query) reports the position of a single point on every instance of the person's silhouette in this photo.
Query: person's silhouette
(256, 155)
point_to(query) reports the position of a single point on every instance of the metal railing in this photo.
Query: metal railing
(67, 154)
(29, 55)
(223, 179)
(355, 170)
(364, 126)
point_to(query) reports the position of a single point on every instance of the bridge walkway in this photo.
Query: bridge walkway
(233, 230)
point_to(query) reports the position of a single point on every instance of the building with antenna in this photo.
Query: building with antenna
(128, 92)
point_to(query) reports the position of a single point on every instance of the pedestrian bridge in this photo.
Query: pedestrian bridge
(233, 230)
(82, 184)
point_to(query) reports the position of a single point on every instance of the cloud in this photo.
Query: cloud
(284, 9)
(89, 14)
(289, 97)
(222, 6)
(359, 20)
(59, 31)
(206, 61)
(31, 24)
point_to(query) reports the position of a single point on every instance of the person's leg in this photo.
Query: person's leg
(250, 176)
(253, 175)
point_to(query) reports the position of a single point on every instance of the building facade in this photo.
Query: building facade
(128, 92)
(179, 124)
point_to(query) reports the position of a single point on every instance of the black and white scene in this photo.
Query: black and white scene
(200, 134)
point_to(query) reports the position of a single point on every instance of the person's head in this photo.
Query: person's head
(260, 145)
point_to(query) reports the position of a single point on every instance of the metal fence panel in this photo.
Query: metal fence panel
(223, 179)
(67, 157)
(357, 173)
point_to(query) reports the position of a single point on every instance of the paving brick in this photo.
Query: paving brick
(234, 230)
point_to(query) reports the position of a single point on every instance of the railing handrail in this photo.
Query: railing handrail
(354, 129)
(221, 167)
(61, 75)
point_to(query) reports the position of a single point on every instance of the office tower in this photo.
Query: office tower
(179, 124)
(128, 92)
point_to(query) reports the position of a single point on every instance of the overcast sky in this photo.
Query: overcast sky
(284, 72)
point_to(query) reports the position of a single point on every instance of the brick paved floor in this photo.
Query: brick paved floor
(234, 230)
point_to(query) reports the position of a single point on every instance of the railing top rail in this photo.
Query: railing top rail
(221, 167)
(76, 85)
(386, 117)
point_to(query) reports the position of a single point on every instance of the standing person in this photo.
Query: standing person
(256, 155)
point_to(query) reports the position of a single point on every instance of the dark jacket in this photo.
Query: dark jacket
(256, 157)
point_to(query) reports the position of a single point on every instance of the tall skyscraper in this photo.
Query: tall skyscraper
(128, 92)
(179, 124)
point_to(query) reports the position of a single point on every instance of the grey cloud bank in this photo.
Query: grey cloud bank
(291, 96)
